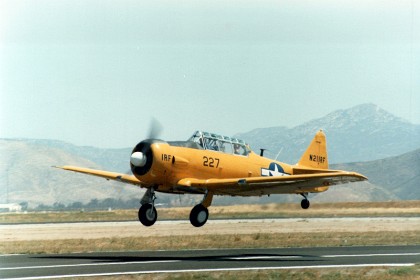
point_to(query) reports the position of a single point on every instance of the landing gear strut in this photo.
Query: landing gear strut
(305, 202)
(147, 211)
(199, 214)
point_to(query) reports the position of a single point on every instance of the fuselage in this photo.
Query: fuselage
(172, 163)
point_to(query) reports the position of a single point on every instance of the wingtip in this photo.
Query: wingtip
(64, 167)
(362, 177)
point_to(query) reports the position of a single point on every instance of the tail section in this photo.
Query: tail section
(316, 154)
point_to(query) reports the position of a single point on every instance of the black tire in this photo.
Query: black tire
(305, 204)
(199, 215)
(147, 214)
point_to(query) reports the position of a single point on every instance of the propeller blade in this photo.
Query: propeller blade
(155, 129)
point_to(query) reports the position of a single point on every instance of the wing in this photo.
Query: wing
(270, 185)
(124, 178)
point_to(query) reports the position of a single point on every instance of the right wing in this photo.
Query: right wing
(257, 186)
(124, 178)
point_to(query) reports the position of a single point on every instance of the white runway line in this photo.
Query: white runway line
(371, 255)
(214, 270)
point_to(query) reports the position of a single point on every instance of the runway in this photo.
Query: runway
(60, 231)
(153, 262)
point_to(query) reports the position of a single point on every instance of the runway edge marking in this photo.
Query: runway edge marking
(371, 255)
(213, 270)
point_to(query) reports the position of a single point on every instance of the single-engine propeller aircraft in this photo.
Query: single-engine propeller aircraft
(211, 164)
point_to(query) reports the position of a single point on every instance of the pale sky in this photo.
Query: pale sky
(96, 72)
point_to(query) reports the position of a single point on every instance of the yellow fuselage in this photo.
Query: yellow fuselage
(172, 163)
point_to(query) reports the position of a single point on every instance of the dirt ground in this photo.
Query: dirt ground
(94, 230)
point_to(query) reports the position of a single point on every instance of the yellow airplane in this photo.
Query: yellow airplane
(211, 164)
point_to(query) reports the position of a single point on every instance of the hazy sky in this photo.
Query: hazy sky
(95, 72)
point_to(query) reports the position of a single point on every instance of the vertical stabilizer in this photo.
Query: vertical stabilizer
(316, 154)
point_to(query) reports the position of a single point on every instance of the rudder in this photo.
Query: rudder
(315, 155)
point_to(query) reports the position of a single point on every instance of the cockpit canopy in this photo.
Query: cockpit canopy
(224, 144)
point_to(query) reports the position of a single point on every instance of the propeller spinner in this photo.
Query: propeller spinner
(138, 159)
(142, 155)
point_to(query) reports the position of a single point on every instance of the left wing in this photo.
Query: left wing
(270, 185)
(124, 178)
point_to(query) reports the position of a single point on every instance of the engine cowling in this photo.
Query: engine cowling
(141, 159)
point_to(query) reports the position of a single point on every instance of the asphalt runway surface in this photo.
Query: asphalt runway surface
(156, 262)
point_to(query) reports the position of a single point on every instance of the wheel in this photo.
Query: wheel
(305, 203)
(199, 215)
(147, 214)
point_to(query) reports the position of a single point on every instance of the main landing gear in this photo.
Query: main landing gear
(148, 214)
(305, 202)
(147, 211)
(199, 214)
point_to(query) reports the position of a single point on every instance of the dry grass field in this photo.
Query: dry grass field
(255, 240)
(282, 210)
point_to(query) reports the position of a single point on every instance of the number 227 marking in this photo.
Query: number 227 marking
(210, 162)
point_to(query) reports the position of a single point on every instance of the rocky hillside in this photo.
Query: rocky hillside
(26, 175)
(398, 175)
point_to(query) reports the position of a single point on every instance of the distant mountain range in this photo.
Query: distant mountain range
(362, 133)
(381, 146)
